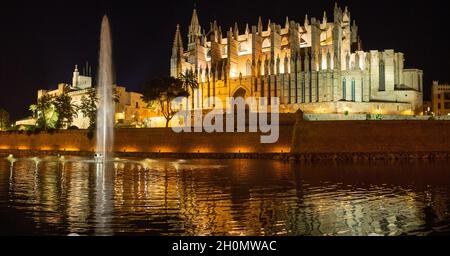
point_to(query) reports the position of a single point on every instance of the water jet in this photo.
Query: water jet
(106, 107)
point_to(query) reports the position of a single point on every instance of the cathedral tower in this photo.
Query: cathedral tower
(176, 64)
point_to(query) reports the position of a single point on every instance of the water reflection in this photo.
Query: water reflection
(236, 197)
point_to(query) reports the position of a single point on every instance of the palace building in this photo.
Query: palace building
(318, 66)
(130, 109)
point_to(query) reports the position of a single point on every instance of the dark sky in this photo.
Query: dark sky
(41, 41)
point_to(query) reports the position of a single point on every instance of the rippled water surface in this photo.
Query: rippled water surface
(223, 197)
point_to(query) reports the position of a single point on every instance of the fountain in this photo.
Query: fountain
(106, 108)
(105, 129)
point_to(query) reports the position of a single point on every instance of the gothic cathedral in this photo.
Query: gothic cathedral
(318, 66)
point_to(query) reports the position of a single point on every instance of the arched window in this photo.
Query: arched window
(344, 89)
(382, 76)
(353, 90)
(248, 68)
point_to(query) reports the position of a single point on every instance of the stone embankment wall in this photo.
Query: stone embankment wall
(299, 139)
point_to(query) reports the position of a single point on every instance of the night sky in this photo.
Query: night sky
(41, 41)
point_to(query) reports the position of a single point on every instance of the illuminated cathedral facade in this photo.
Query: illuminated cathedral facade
(318, 66)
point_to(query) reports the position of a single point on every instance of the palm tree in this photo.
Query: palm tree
(88, 107)
(33, 109)
(43, 111)
(190, 83)
(67, 111)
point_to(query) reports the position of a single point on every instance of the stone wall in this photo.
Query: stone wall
(331, 137)
(158, 140)
(305, 139)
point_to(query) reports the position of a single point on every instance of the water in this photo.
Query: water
(226, 197)
(106, 108)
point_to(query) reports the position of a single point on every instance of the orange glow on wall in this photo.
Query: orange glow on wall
(130, 150)
(70, 149)
(202, 150)
(4, 147)
(243, 150)
(281, 150)
(165, 150)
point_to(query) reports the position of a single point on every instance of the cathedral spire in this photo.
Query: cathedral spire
(195, 30)
(177, 49)
(177, 54)
(286, 25)
(325, 19)
(260, 25)
(194, 20)
(236, 31)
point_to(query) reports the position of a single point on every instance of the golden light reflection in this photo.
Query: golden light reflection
(195, 198)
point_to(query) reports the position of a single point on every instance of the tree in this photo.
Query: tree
(164, 91)
(4, 120)
(190, 83)
(66, 110)
(33, 109)
(89, 107)
(45, 112)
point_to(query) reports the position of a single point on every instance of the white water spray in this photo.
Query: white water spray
(106, 108)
